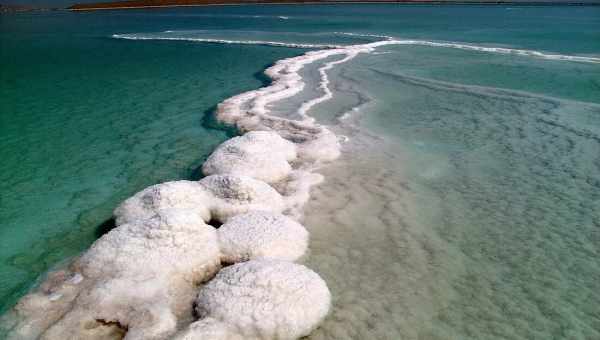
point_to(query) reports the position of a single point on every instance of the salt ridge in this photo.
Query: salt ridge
(225, 41)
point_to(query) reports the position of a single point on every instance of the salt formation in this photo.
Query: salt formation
(262, 155)
(139, 278)
(152, 201)
(138, 281)
(36, 311)
(213, 198)
(266, 299)
(261, 234)
(232, 195)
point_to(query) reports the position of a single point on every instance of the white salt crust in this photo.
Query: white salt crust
(262, 155)
(213, 198)
(233, 195)
(261, 234)
(140, 277)
(266, 299)
(152, 201)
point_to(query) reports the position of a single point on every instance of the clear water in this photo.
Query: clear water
(87, 120)
(496, 189)
(465, 204)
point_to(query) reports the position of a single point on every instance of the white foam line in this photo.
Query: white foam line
(501, 50)
(388, 41)
(250, 110)
(379, 36)
(224, 41)
(324, 85)
(288, 82)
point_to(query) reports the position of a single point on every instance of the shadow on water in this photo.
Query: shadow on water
(262, 77)
(105, 227)
(209, 121)
(209, 117)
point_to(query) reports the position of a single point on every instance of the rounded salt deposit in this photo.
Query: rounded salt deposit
(181, 195)
(233, 195)
(214, 197)
(261, 234)
(266, 299)
(262, 155)
(174, 243)
(140, 278)
(137, 280)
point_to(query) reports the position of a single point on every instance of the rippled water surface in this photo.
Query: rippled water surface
(496, 192)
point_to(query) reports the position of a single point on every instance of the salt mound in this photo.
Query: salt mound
(181, 195)
(261, 234)
(176, 242)
(266, 299)
(262, 141)
(233, 195)
(214, 197)
(262, 155)
(137, 281)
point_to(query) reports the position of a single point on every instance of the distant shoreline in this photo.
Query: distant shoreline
(140, 4)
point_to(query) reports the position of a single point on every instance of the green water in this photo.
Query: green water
(498, 154)
(86, 121)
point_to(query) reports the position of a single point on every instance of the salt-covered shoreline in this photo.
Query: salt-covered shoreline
(143, 278)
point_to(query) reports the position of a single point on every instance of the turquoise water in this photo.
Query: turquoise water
(494, 157)
(86, 121)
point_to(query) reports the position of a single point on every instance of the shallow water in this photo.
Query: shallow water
(465, 201)
(495, 192)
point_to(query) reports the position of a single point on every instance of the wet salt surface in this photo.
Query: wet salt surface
(387, 273)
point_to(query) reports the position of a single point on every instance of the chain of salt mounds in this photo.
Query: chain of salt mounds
(158, 274)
